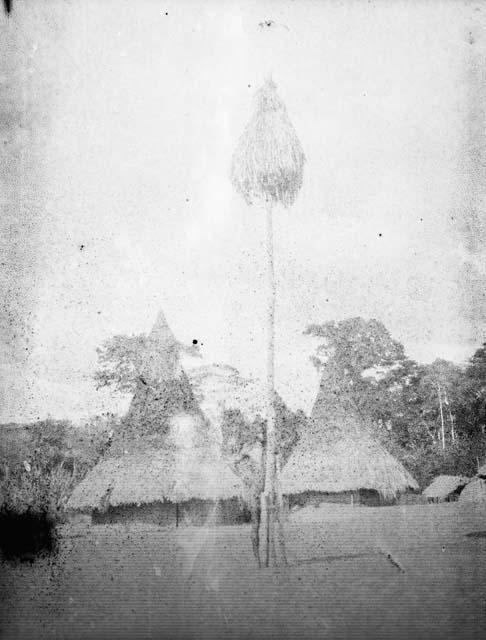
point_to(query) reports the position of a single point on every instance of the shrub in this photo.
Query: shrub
(25, 536)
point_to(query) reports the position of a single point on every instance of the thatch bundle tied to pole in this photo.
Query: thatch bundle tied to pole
(268, 161)
(267, 170)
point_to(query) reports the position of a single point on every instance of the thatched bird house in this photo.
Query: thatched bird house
(339, 460)
(165, 463)
(445, 488)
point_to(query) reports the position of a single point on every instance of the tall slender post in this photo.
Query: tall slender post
(451, 417)
(441, 417)
(264, 172)
(268, 496)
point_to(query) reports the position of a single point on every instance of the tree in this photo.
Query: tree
(472, 409)
(235, 407)
(149, 368)
(439, 386)
(365, 370)
(267, 170)
(354, 355)
(244, 446)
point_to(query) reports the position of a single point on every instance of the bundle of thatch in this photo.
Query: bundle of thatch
(338, 453)
(444, 487)
(268, 161)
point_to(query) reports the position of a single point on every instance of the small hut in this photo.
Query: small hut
(445, 488)
(475, 491)
(338, 459)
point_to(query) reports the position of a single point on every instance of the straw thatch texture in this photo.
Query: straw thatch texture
(475, 491)
(156, 476)
(444, 486)
(341, 458)
(482, 471)
(164, 448)
(162, 391)
(268, 161)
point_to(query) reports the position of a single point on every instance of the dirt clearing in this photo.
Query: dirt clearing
(354, 573)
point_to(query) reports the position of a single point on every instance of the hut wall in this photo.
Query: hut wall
(159, 513)
(411, 498)
(365, 497)
(166, 514)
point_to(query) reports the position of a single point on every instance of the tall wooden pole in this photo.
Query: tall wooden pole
(268, 496)
(272, 539)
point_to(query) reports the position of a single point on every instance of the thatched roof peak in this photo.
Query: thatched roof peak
(161, 332)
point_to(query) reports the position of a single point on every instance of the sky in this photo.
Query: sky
(118, 123)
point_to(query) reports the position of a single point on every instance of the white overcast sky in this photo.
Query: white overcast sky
(118, 124)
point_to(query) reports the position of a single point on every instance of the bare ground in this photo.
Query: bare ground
(390, 572)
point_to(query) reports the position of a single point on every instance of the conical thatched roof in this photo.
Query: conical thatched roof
(475, 491)
(268, 161)
(164, 449)
(162, 389)
(180, 471)
(337, 453)
(443, 486)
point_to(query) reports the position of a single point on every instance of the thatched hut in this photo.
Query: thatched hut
(338, 459)
(445, 488)
(178, 484)
(475, 491)
(165, 463)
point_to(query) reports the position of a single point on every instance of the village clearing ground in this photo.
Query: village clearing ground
(390, 572)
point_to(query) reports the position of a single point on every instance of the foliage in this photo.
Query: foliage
(427, 460)
(40, 467)
(121, 360)
(240, 434)
(353, 355)
(364, 369)
(354, 345)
